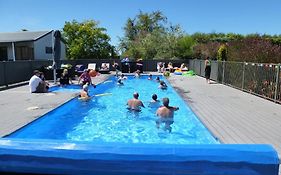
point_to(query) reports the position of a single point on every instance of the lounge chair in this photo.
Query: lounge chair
(79, 69)
(92, 66)
(104, 69)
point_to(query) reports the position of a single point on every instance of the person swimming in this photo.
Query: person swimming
(154, 103)
(119, 82)
(135, 103)
(157, 79)
(150, 77)
(163, 85)
(166, 115)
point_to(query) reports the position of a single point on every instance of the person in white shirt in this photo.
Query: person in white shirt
(36, 84)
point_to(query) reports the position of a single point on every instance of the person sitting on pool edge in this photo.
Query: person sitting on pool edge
(163, 85)
(36, 84)
(166, 115)
(134, 103)
(84, 94)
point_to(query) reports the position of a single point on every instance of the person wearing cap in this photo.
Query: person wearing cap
(166, 115)
(134, 103)
(36, 84)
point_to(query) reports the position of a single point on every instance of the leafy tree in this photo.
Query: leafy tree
(222, 53)
(185, 46)
(86, 40)
(149, 35)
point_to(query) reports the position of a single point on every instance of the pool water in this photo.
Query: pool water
(105, 118)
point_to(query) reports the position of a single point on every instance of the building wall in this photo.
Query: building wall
(40, 48)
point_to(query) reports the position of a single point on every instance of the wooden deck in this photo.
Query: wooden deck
(19, 107)
(231, 115)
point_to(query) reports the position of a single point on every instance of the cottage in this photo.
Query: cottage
(26, 45)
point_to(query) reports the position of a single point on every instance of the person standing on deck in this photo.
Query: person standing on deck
(207, 70)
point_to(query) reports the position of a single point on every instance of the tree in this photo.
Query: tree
(86, 40)
(149, 35)
(222, 53)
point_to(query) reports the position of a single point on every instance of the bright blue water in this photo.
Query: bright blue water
(67, 88)
(106, 119)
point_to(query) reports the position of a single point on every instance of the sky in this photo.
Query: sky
(236, 16)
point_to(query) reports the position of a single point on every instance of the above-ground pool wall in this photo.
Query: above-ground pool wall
(59, 157)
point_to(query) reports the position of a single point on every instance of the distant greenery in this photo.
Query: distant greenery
(152, 36)
(86, 40)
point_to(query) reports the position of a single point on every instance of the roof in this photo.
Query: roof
(22, 36)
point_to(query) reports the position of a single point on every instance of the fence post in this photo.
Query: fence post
(200, 68)
(276, 82)
(4, 72)
(243, 75)
(223, 68)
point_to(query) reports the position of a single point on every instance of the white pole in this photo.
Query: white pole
(13, 50)
(54, 63)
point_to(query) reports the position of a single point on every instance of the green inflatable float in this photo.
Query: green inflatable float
(189, 73)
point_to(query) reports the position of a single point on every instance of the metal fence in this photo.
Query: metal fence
(19, 71)
(257, 78)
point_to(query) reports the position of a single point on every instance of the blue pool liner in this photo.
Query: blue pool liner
(64, 157)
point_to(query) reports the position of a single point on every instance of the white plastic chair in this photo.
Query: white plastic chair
(92, 66)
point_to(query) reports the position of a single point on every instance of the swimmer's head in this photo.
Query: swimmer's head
(154, 97)
(166, 102)
(136, 95)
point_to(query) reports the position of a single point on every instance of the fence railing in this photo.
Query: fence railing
(18, 71)
(262, 79)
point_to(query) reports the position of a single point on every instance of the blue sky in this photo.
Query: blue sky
(237, 16)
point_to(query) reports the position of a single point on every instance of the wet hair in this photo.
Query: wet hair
(163, 83)
(122, 75)
(150, 75)
(136, 95)
(166, 102)
(154, 97)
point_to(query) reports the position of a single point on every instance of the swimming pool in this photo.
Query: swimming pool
(101, 137)
(106, 119)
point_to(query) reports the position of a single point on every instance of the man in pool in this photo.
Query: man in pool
(134, 103)
(166, 115)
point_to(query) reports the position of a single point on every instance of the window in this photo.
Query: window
(24, 53)
(48, 50)
(3, 54)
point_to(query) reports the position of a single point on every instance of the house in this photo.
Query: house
(26, 45)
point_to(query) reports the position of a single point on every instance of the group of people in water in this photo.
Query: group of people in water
(165, 112)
